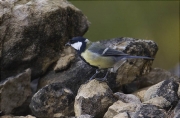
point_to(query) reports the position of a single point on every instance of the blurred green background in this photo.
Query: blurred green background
(151, 20)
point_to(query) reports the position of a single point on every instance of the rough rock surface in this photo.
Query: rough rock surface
(177, 115)
(177, 108)
(33, 33)
(176, 111)
(140, 93)
(93, 98)
(78, 73)
(160, 102)
(53, 100)
(85, 116)
(124, 107)
(122, 115)
(155, 76)
(133, 67)
(67, 56)
(150, 111)
(127, 98)
(14, 92)
(167, 89)
(119, 107)
(10, 116)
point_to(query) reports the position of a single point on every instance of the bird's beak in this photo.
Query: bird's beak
(67, 44)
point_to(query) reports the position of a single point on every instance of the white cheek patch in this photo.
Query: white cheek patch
(77, 45)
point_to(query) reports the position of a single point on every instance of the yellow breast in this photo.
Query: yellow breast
(97, 60)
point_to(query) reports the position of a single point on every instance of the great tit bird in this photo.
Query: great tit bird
(99, 56)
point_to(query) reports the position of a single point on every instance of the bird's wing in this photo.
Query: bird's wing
(112, 52)
(105, 51)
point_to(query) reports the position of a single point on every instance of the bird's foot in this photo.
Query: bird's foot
(102, 79)
(97, 71)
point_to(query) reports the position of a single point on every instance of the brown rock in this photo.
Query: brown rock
(176, 111)
(77, 73)
(149, 111)
(127, 98)
(159, 101)
(54, 100)
(121, 115)
(85, 116)
(33, 33)
(119, 107)
(140, 93)
(93, 98)
(65, 59)
(9, 116)
(133, 68)
(155, 76)
(167, 89)
(14, 92)
(6, 116)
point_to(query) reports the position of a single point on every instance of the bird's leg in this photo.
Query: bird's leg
(104, 79)
(97, 71)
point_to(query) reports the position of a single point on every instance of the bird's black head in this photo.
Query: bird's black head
(78, 43)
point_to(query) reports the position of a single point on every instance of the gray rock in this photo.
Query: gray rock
(150, 111)
(120, 107)
(14, 92)
(54, 100)
(78, 73)
(93, 98)
(160, 102)
(33, 33)
(85, 116)
(140, 93)
(81, 116)
(122, 115)
(177, 108)
(167, 89)
(127, 98)
(177, 115)
(155, 76)
(10, 116)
